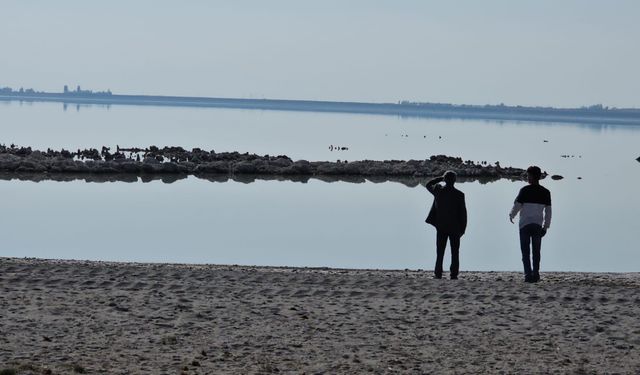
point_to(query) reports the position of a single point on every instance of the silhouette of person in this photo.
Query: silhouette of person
(449, 215)
(533, 203)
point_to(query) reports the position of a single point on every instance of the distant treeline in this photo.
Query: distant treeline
(592, 109)
(595, 114)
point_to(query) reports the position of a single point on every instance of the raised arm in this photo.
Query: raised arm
(431, 184)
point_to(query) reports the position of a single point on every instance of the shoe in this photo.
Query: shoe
(528, 279)
(454, 277)
(437, 276)
(535, 278)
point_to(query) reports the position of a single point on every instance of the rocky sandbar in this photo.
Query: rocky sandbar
(178, 161)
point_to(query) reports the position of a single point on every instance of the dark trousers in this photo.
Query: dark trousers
(530, 240)
(441, 244)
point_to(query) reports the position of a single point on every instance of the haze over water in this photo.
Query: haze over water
(566, 54)
(569, 53)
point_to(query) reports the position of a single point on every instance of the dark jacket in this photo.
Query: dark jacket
(448, 212)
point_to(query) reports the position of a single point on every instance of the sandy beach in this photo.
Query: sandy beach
(61, 317)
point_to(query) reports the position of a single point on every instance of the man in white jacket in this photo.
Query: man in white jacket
(533, 203)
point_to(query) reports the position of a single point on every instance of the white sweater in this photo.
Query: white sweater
(533, 203)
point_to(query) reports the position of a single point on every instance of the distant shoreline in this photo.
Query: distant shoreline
(590, 115)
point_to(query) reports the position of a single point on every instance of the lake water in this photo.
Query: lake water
(340, 224)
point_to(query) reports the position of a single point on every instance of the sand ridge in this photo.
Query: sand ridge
(122, 318)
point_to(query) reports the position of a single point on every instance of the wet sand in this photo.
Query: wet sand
(64, 317)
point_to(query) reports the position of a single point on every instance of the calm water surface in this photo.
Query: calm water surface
(337, 224)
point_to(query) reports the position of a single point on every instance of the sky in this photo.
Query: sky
(564, 53)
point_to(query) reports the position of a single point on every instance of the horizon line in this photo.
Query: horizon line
(597, 114)
(74, 93)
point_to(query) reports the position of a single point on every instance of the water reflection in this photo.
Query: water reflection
(244, 178)
(404, 110)
(78, 106)
(273, 222)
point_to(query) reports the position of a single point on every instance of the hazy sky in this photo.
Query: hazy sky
(542, 52)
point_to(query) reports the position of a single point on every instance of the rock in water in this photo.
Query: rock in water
(556, 177)
(638, 159)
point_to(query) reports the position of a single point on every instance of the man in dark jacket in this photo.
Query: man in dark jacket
(449, 215)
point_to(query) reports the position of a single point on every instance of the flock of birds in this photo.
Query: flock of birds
(342, 148)
(407, 136)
